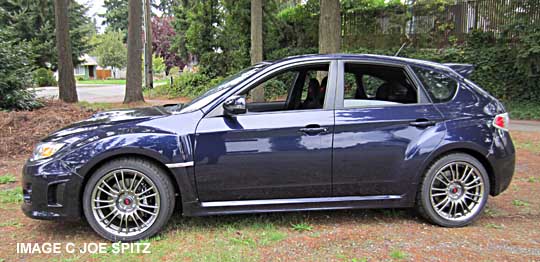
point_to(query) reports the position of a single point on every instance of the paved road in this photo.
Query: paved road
(525, 125)
(89, 93)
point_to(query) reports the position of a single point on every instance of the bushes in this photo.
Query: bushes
(44, 77)
(186, 85)
(523, 110)
(189, 84)
(15, 76)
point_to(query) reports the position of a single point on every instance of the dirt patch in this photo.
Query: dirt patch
(21, 130)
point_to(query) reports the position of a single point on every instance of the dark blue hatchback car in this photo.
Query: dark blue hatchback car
(313, 132)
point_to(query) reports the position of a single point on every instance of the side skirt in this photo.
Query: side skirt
(294, 204)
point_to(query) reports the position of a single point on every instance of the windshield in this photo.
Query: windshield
(218, 90)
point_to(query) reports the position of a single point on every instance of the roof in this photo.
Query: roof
(88, 60)
(370, 57)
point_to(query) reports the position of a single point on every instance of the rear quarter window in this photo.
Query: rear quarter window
(440, 87)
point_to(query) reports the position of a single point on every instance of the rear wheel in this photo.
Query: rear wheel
(454, 191)
(128, 199)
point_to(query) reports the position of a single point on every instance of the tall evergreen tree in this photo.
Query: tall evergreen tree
(134, 74)
(257, 42)
(330, 27)
(66, 82)
(33, 21)
(116, 15)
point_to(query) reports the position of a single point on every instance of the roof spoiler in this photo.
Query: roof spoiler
(465, 70)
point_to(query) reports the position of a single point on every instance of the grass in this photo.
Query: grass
(6, 179)
(98, 106)
(523, 110)
(519, 203)
(359, 259)
(231, 238)
(533, 179)
(103, 82)
(114, 82)
(398, 254)
(528, 145)
(104, 106)
(13, 195)
(11, 223)
(495, 226)
(301, 227)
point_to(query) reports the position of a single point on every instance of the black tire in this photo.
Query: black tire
(158, 177)
(425, 205)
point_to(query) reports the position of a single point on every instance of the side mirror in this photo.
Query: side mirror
(235, 105)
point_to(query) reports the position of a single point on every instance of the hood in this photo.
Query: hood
(103, 120)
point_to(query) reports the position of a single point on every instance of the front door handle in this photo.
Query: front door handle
(422, 123)
(313, 130)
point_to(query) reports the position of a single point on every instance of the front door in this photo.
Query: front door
(275, 151)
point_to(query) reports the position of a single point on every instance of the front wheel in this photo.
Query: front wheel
(128, 199)
(454, 191)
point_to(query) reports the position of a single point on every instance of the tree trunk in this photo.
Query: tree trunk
(330, 27)
(134, 74)
(257, 44)
(66, 79)
(148, 69)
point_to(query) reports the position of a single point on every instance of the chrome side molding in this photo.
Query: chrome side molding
(177, 165)
(297, 201)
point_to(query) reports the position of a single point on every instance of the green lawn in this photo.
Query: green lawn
(112, 82)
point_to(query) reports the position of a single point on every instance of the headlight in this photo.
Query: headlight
(46, 150)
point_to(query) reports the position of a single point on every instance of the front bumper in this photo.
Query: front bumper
(51, 191)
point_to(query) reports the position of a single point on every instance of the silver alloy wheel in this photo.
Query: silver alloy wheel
(457, 191)
(125, 202)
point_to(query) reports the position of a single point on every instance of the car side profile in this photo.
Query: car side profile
(338, 131)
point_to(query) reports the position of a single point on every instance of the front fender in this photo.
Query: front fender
(163, 148)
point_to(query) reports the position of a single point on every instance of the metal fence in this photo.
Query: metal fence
(433, 25)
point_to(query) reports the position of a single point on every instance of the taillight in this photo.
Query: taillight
(501, 121)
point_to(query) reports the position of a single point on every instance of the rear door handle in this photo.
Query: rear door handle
(313, 130)
(422, 123)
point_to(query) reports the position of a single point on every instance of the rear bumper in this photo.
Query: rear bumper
(50, 195)
(503, 171)
(503, 165)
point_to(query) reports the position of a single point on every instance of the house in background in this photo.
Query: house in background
(87, 69)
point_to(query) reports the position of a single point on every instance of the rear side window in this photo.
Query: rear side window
(441, 88)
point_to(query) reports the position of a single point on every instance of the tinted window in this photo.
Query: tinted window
(276, 88)
(441, 88)
(371, 84)
(376, 85)
(297, 88)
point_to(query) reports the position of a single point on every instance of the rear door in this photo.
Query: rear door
(382, 133)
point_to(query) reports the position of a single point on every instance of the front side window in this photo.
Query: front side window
(376, 85)
(218, 90)
(298, 88)
(441, 88)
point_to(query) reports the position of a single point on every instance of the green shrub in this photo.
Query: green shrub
(275, 89)
(523, 110)
(190, 84)
(285, 52)
(44, 77)
(15, 75)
